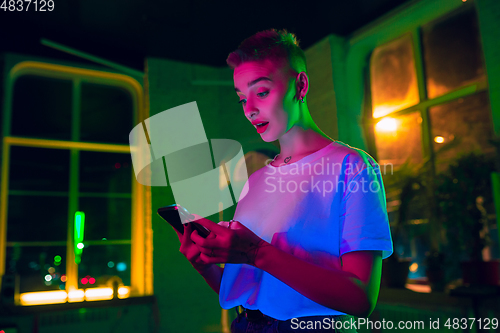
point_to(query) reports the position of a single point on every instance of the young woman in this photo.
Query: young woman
(304, 251)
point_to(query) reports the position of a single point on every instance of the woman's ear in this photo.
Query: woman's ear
(302, 85)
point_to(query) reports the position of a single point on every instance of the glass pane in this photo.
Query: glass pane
(467, 119)
(37, 218)
(106, 114)
(41, 107)
(452, 53)
(101, 262)
(39, 268)
(398, 139)
(108, 218)
(105, 172)
(392, 77)
(39, 169)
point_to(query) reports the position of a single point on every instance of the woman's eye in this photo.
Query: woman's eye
(243, 101)
(263, 94)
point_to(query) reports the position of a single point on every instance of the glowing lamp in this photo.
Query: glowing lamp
(78, 235)
(438, 139)
(76, 295)
(43, 297)
(387, 125)
(95, 294)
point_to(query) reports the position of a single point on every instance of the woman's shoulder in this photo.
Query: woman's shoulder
(352, 155)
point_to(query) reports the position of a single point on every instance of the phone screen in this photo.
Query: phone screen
(175, 215)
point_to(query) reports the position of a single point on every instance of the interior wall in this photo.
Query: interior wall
(321, 98)
(489, 28)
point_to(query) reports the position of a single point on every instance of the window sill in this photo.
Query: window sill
(7, 310)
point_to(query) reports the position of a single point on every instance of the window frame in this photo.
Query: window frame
(141, 231)
(423, 106)
(425, 103)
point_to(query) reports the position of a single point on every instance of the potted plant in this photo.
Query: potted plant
(407, 179)
(415, 183)
(464, 197)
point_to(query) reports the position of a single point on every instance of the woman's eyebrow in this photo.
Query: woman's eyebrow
(251, 83)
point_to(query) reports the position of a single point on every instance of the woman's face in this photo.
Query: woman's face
(267, 92)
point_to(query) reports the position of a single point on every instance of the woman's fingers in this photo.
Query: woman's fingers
(210, 225)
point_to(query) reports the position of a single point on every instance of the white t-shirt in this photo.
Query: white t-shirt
(328, 203)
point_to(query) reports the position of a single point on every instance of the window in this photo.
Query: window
(67, 148)
(428, 90)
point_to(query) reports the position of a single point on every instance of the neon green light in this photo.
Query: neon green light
(57, 259)
(78, 236)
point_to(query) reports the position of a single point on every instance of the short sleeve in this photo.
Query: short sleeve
(363, 216)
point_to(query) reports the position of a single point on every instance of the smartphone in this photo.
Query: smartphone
(175, 214)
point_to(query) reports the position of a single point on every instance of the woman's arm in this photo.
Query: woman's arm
(353, 290)
(213, 276)
(210, 272)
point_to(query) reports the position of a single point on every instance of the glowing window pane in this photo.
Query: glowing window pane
(106, 114)
(452, 53)
(31, 221)
(41, 108)
(95, 261)
(399, 138)
(34, 265)
(467, 119)
(99, 172)
(39, 169)
(107, 218)
(393, 77)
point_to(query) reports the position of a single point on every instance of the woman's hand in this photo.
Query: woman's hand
(228, 242)
(190, 250)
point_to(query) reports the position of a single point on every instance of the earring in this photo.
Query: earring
(302, 100)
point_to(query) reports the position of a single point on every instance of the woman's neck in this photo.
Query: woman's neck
(298, 143)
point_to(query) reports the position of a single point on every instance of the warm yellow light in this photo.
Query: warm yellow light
(76, 295)
(387, 125)
(439, 139)
(43, 297)
(94, 294)
(123, 292)
(419, 288)
(413, 267)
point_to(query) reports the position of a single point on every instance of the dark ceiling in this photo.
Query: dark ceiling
(198, 31)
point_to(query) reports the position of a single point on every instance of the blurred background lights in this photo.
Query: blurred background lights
(438, 139)
(57, 259)
(48, 277)
(121, 266)
(51, 270)
(80, 246)
(91, 280)
(63, 278)
(387, 125)
(84, 280)
(111, 264)
(413, 267)
(117, 165)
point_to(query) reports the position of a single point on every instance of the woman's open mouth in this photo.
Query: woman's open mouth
(262, 127)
